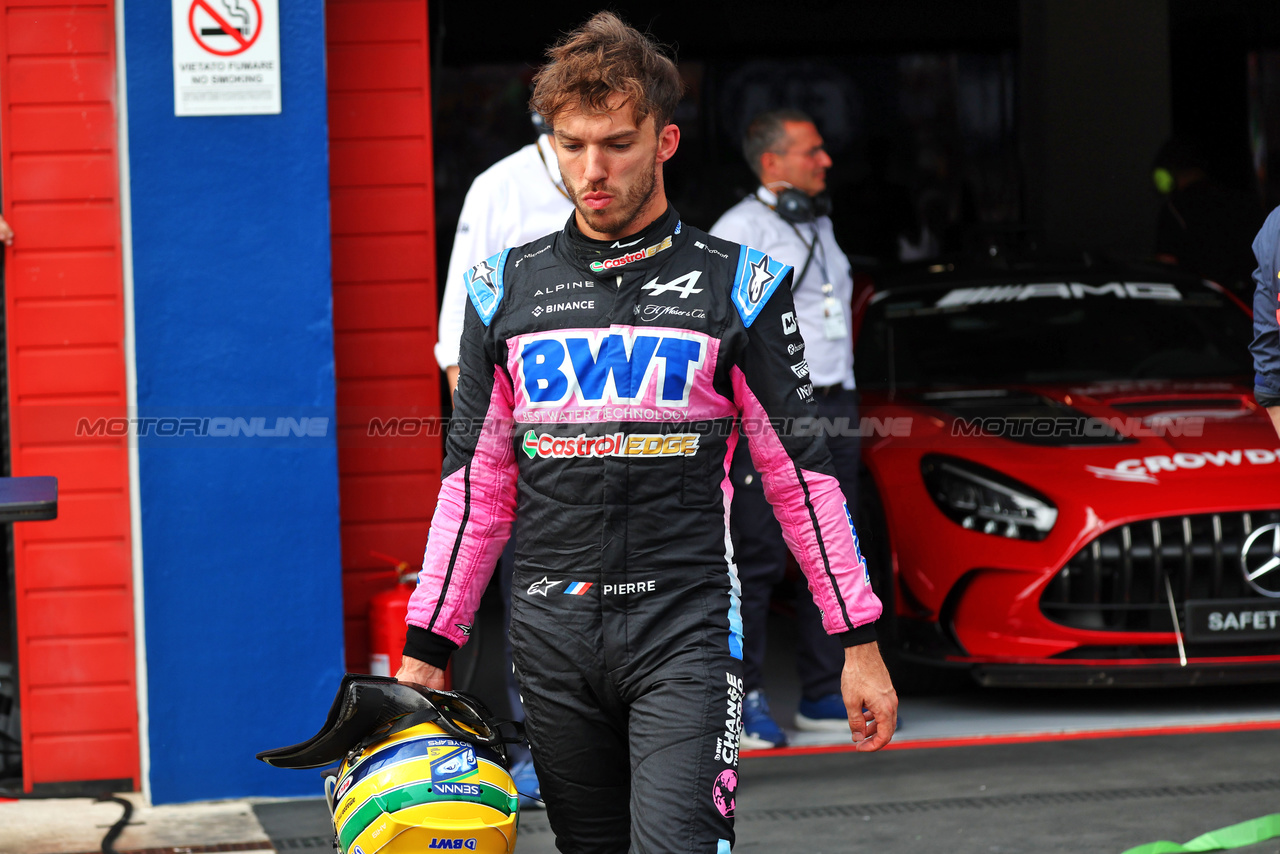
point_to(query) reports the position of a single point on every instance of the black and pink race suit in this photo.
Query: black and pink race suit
(603, 388)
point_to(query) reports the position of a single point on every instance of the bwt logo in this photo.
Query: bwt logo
(610, 367)
(456, 844)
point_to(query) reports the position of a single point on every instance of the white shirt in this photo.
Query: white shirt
(753, 222)
(518, 199)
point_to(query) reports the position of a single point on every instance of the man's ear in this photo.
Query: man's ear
(668, 142)
(768, 164)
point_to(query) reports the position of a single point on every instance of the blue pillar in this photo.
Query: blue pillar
(240, 534)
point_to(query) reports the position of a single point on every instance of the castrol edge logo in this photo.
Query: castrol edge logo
(647, 252)
(610, 445)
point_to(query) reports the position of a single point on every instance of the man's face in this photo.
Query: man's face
(803, 163)
(611, 167)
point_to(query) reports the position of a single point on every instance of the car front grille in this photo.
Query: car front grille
(1117, 581)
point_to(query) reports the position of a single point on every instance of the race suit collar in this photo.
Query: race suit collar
(628, 253)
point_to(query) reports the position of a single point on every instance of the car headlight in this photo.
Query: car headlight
(984, 500)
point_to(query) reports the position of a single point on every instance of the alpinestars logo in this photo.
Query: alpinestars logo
(683, 285)
(761, 278)
(483, 273)
(541, 587)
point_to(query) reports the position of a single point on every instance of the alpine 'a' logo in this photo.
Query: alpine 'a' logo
(683, 285)
(1261, 563)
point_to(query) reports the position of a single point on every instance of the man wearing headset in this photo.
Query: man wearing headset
(787, 218)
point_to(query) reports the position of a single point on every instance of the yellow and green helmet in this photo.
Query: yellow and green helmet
(423, 790)
(421, 770)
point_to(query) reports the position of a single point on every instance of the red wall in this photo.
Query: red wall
(384, 289)
(65, 334)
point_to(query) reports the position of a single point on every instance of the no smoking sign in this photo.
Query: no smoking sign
(226, 57)
(227, 31)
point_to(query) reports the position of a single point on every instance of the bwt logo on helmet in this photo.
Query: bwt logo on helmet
(609, 366)
(456, 844)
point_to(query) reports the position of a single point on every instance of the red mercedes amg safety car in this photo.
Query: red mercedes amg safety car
(1068, 481)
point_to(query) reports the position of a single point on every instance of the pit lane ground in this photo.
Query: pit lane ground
(972, 772)
(978, 771)
(1095, 795)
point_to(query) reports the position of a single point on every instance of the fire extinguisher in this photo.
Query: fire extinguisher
(387, 610)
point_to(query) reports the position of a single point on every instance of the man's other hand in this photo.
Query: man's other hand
(865, 684)
(1274, 412)
(420, 673)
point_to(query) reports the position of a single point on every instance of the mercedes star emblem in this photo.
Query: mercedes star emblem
(1261, 566)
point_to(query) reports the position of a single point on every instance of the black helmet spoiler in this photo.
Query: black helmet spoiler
(363, 704)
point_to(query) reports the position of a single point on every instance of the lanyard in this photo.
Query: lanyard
(811, 246)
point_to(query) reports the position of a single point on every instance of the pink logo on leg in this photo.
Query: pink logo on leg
(722, 792)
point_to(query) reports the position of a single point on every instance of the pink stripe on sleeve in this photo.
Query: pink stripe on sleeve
(472, 523)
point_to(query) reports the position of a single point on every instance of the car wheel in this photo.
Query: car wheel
(910, 677)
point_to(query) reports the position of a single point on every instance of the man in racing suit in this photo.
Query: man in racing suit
(606, 374)
(1266, 318)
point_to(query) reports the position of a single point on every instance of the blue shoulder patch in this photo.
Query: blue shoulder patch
(484, 283)
(757, 278)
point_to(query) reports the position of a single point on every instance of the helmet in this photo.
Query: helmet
(420, 770)
(423, 789)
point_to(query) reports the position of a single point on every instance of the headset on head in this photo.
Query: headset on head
(796, 206)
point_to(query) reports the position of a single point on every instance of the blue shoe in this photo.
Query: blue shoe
(825, 714)
(759, 730)
(527, 785)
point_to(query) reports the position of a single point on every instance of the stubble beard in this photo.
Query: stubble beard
(620, 218)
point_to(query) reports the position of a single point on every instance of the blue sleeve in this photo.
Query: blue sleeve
(1266, 313)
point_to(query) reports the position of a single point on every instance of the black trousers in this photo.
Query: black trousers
(633, 717)
(761, 556)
